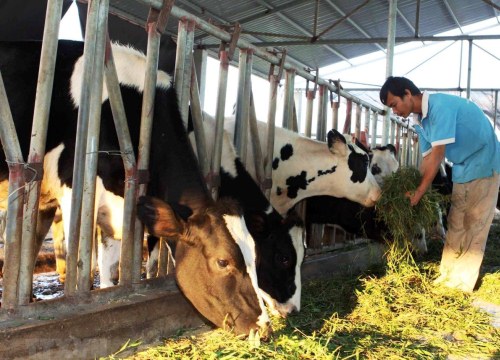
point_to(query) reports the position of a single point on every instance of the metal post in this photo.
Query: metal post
(397, 144)
(243, 103)
(200, 66)
(255, 139)
(183, 67)
(367, 124)
(392, 132)
(357, 126)
(80, 147)
(469, 69)
(271, 121)
(335, 113)
(199, 131)
(219, 123)
(391, 40)
(310, 94)
(29, 249)
(496, 123)
(321, 122)
(15, 201)
(87, 221)
(288, 106)
(374, 129)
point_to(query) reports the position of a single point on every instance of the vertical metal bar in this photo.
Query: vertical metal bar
(255, 139)
(392, 132)
(37, 147)
(200, 67)
(417, 19)
(15, 201)
(81, 141)
(348, 117)
(357, 127)
(391, 40)
(321, 123)
(243, 103)
(374, 129)
(219, 121)
(367, 123)
(147, 113)
(397, 144)
(271, 122)
(288, 105)
(128, 157)
(183, 67)
(310, 94)
(496, 122)
(404, 159)
(199, 131)
(89, 184)
(335, 114)
(469, 69)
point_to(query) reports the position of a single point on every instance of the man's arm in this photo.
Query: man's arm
(429, 169)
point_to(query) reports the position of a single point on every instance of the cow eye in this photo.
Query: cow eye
(223, 263)
(282, 259)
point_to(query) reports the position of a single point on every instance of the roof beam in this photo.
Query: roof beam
(353, 23)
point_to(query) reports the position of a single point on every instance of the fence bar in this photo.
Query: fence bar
(289, 99)
(367, 124)
(199, 133)
(496, 123)
(183, 65)
(29, 249)
(243, 103)
(15, 201)
(357, 126)
(321, 123)
(310, 95)
(81, 141)
(335, 113)
(397, 144)
(128, 157)
(374, 129)
(87, 229)
(219, 124)
(271, 121)
(255, 139)
(147, 112)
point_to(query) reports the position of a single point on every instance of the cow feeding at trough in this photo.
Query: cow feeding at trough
(222, 281)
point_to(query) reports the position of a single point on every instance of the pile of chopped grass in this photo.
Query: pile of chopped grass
(405, 222)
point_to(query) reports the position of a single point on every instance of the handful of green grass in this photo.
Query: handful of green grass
(405, 222)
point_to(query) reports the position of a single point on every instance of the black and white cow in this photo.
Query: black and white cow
(215, 253)
(304, 167)
(279, 239)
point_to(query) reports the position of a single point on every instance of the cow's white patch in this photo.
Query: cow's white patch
(108, 260)
(130, 67)
(238, 230)
(298, 240)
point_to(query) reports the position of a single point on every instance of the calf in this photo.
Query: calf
(215, 253)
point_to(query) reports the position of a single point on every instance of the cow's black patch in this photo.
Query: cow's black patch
(286, 152)
(376, 169)
(358, 164)
(295, 183)
(276, 162)
(326, 172)
(278, 191)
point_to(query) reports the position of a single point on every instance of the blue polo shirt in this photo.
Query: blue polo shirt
(469, 139)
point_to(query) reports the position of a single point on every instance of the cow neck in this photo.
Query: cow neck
(174, 171)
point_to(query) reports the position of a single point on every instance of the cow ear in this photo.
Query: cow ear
(337, 143)
(257, 223)
(159, 218)
(392, 149)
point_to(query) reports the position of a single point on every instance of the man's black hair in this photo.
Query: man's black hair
(397, 86)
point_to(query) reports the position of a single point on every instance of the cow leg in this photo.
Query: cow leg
(108, 260)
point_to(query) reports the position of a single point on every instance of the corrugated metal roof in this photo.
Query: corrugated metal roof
(295, 23)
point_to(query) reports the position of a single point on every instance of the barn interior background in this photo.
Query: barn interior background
(322, 38)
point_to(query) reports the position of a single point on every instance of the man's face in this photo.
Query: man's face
(400, 106)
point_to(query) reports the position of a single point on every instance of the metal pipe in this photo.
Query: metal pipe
(374, 129)
(87, 229)
(391, 35)
(199, 131)
(392, 132)
(15, 201)
(29, 248)
(357, 126)
(147, 112)
(243, 103)
(219, 123)
(288, 99)
(271, 121)
(367, 124)
(255, 139)
(496, 122)
(127, 154)
(469, 69)
(309, 111)
(81, 141)
(321, 122)
(183, 65)
(335, 114)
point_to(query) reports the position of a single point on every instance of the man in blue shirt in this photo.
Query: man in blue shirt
(455, 128)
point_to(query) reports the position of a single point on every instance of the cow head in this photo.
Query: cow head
(215, 262)
(383, 162)
(280, 244)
